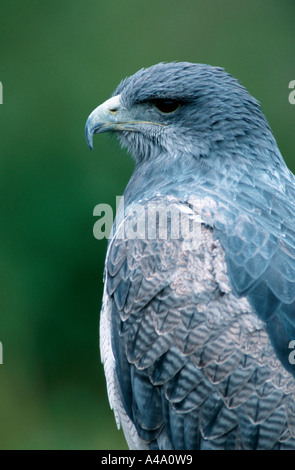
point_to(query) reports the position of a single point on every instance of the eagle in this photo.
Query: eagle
(197, 326)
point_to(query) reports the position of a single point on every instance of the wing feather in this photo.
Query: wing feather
(187, 346)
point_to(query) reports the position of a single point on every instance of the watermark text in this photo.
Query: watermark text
(292, 94)
(159, 219)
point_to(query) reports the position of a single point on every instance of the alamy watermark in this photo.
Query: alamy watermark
(292, 353)
(1, 93)
(1, 353)
(292, 94)
(161, 218)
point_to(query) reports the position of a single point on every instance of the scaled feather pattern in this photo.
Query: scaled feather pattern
(196, 324)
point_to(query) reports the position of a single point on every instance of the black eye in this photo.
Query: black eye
(166, 106)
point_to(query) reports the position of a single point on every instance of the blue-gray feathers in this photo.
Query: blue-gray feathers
(201, 336)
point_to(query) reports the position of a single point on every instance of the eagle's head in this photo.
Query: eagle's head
(181, 108)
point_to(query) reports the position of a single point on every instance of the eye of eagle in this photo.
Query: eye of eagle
(166, 106)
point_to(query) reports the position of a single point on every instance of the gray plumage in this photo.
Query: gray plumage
(195, 331)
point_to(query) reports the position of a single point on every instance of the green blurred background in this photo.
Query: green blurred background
(59, 60)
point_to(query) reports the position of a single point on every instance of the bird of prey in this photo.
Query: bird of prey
(198, 315)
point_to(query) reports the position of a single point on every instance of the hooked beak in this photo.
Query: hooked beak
(103, 119)
(112, 116)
